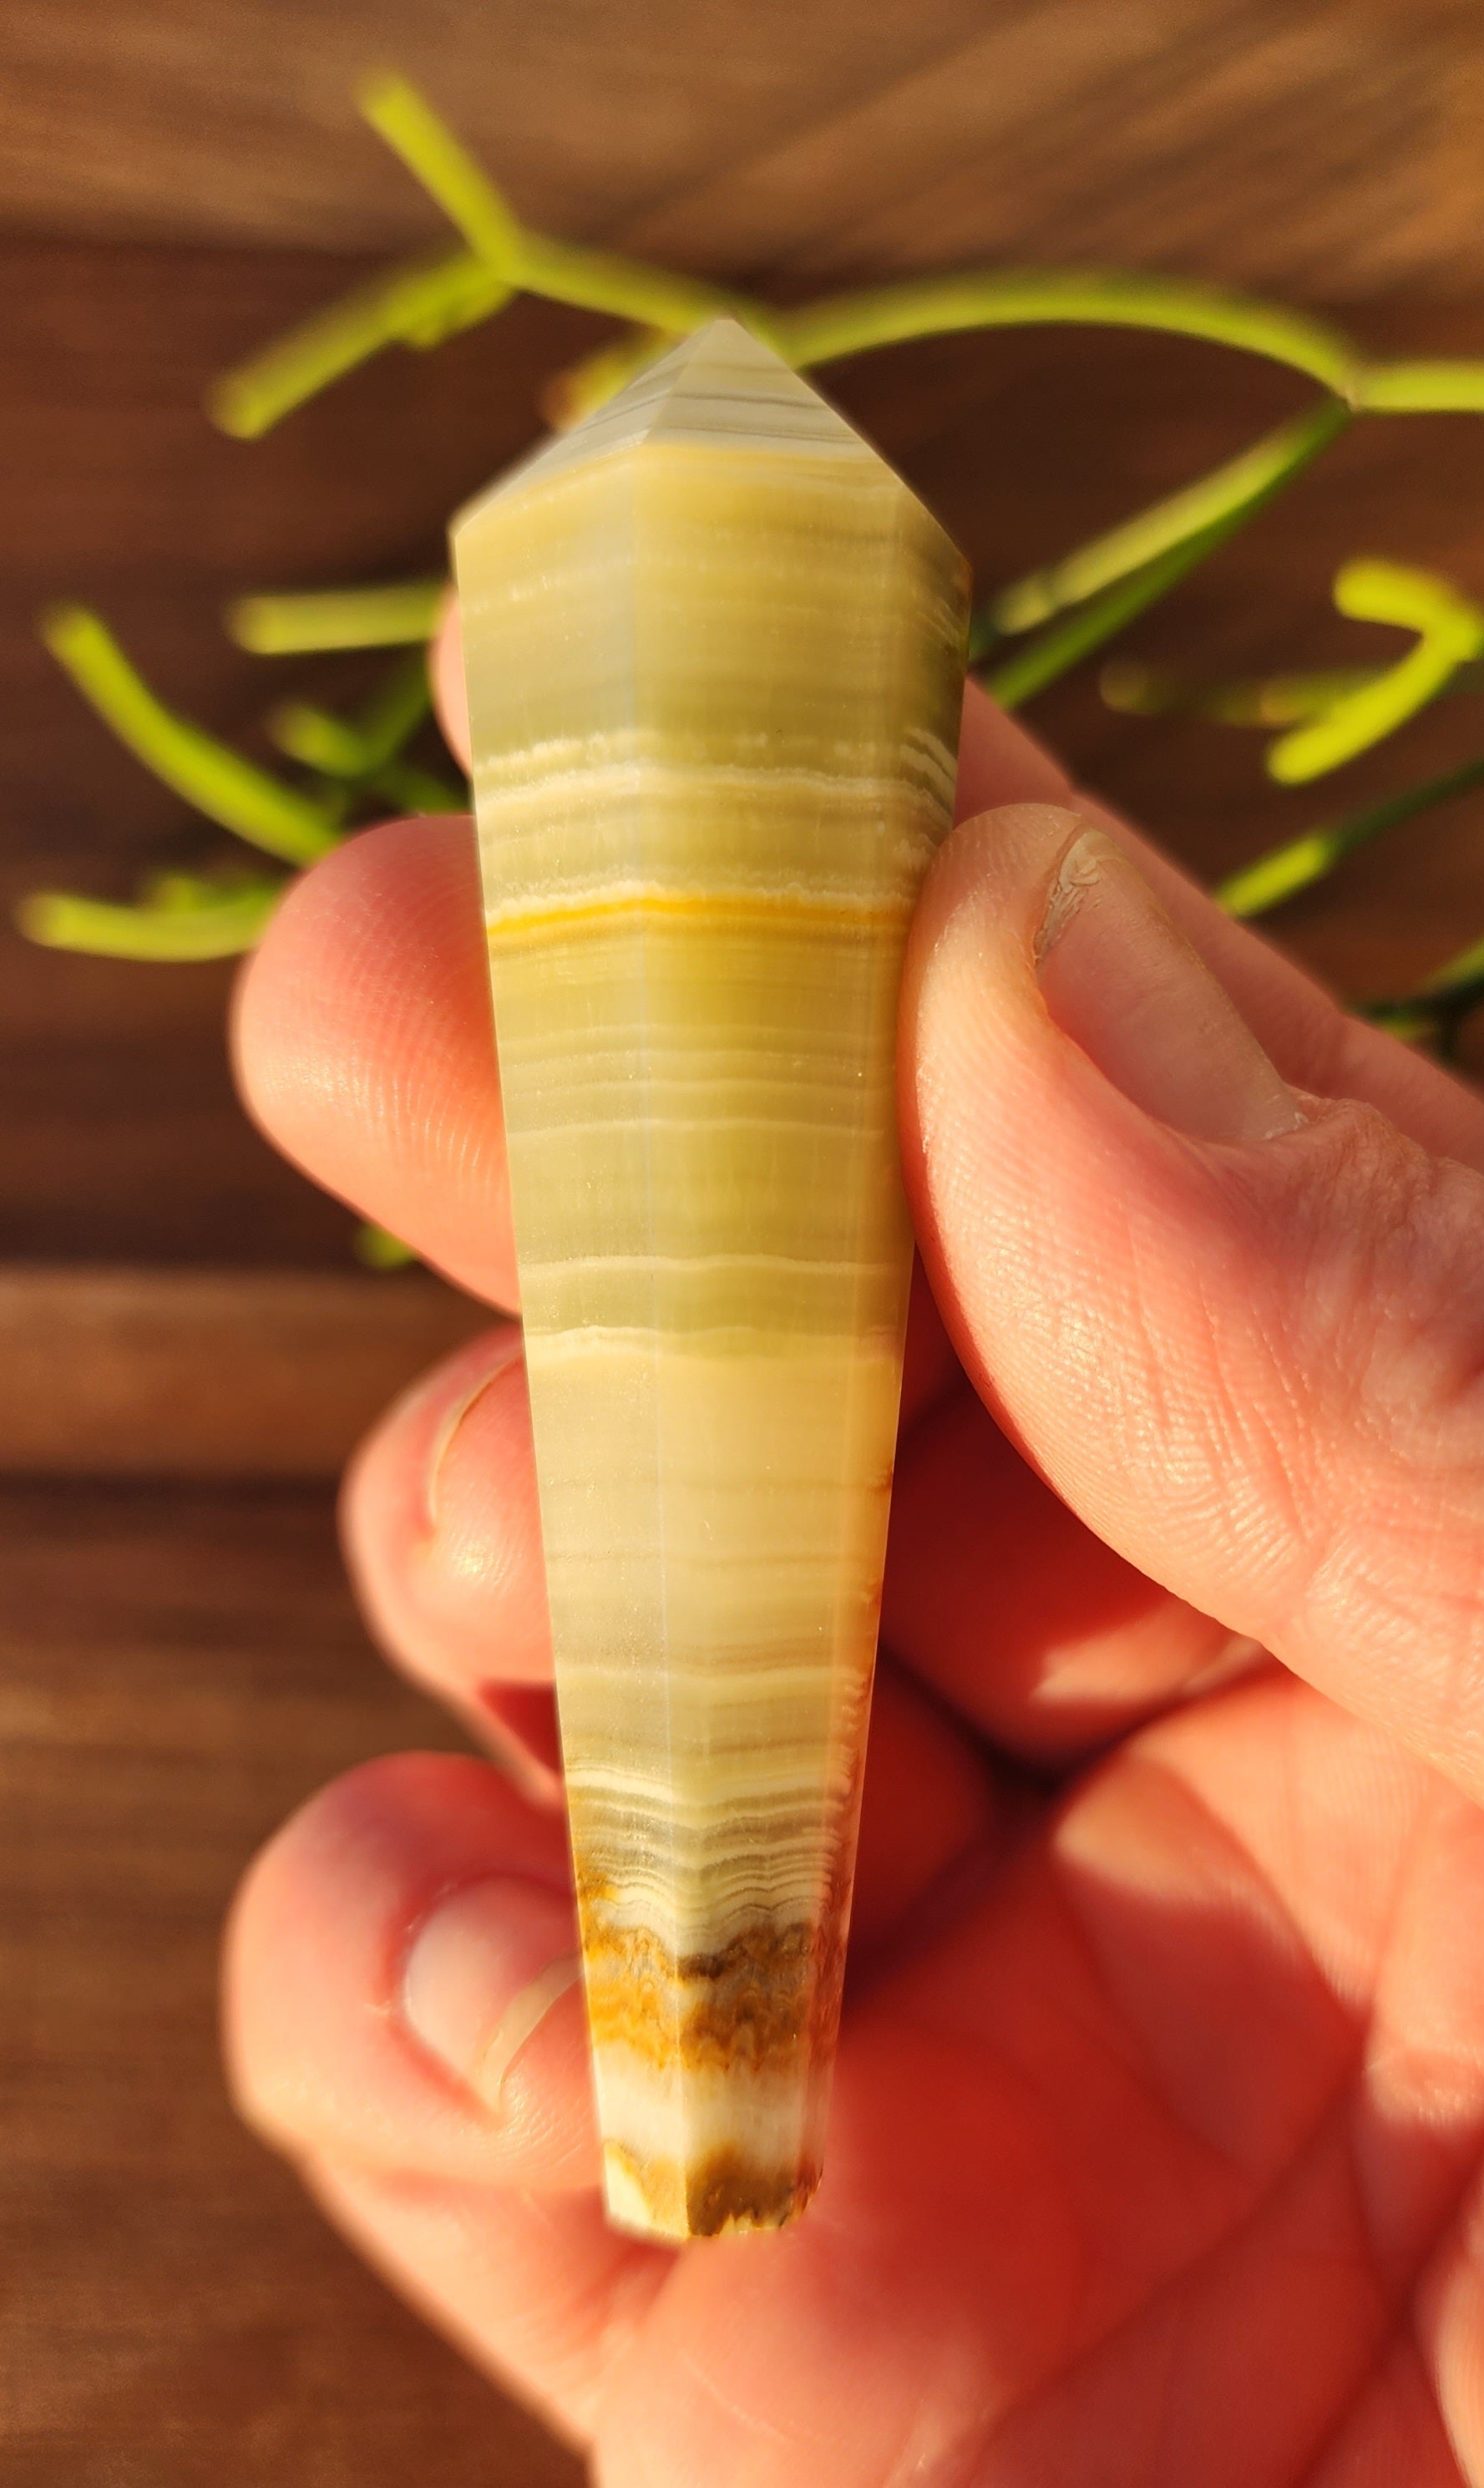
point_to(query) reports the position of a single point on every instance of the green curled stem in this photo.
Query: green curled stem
(317, 740)
(411, 789)
(527, 262)
(1238, 487)
(402, 616)
(1299, 863)
(1066, 641)
(1461, 972)
(217, 780)
(417, 303)
(1438, 1006)
(850, 324)
(1073, 636)
(443, 165)
(585, 385)
(1132, 689)
(1442, 387)
(430, 297)
(380, 1250)
(173, 929)
(354, 749)
(1450, 633)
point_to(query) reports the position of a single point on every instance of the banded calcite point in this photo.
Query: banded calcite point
(715, 657)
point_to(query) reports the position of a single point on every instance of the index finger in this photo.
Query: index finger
(363, 1036)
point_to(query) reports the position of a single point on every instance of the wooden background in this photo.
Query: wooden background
(186, 1348)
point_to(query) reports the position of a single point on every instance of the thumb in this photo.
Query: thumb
(1239, 1328)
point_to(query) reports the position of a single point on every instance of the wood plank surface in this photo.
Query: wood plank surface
(178, 1665)
(1326, 145)
(197, 1374)
(176, 1673)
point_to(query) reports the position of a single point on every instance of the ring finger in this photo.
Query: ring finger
(442, 1537)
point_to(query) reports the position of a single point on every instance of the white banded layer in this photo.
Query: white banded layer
(715, 654)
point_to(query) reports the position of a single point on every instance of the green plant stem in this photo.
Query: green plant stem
(380, 1250)
(353, 749)
(1240, 485)
(411, 789)
(1450, 633)
(531, 262)
(1067, 640)
(1412, 1023)
(627, 288)
(427, 298)
(1135, 690)
(1454, 387)
(590, 382)
(216, 779)
(417, 303)
(1064, 643)
(399, 616)
(317, 740)
(1440, 1003)
(1462, 973)
(170, 930)
(850, 324)
(1270, 878)
(396, 709)
(444, 167)
(363, 755)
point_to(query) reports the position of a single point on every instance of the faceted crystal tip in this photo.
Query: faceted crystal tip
(715, 656)
(719, 388)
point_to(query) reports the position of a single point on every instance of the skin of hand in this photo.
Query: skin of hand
(1155, 2156)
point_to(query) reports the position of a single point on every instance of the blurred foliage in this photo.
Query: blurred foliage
(1026, 635)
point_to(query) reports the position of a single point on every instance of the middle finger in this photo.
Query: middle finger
(442, 1537)
(1024, 1626)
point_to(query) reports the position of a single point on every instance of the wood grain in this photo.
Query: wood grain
(176, 1673)
(1326, 145)
(196, 1374)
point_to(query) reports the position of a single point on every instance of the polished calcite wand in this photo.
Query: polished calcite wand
(715, 657)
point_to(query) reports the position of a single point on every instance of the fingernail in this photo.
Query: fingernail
(1125, 984)
(504, 1355)
(485, 1969)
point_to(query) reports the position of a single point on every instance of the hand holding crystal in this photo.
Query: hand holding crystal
(1156, 2127)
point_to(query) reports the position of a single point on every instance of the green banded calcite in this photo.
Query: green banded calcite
(715, 651)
